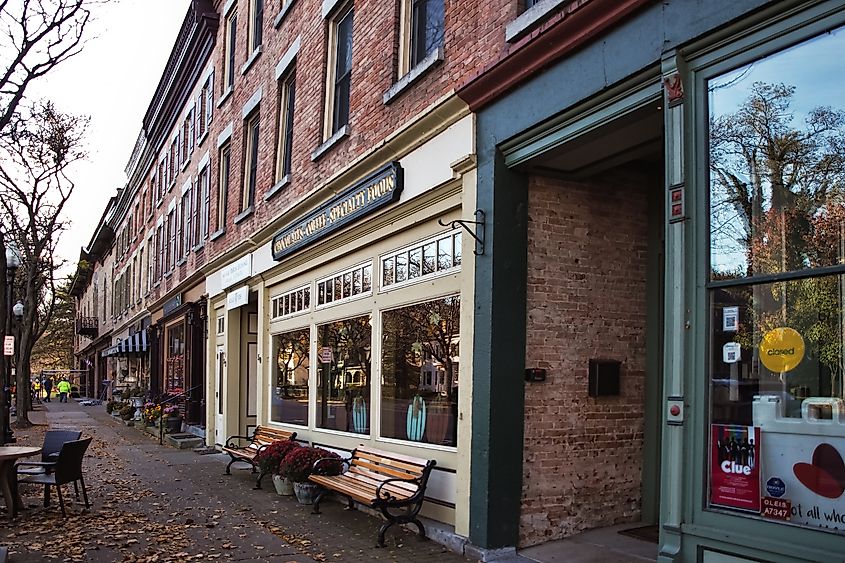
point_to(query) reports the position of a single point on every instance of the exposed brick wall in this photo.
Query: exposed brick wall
(586, 298)
(474, 34)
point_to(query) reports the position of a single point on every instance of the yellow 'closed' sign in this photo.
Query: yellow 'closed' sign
(781, 349)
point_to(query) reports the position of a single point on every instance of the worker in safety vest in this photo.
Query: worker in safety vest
(64, 390)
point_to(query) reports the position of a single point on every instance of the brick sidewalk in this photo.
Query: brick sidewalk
(157, 503)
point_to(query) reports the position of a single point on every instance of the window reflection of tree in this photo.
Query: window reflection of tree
(411, 335)
(350, 341)
(778, 205)
(292, 363)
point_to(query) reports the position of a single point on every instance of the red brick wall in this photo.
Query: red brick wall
(474, 36)
(585, 299)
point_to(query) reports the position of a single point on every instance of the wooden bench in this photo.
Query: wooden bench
(392, 483)
(248, 453)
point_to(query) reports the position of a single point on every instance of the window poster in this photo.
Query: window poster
(734, 467)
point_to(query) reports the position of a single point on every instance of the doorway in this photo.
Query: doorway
(219, 386)
(594, 298)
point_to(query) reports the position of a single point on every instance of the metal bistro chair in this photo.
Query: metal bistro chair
(68, 469)
(53, 442)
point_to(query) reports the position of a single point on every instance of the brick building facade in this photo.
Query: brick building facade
(339, 213)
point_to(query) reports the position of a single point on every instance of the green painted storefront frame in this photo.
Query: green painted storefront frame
(765, 33)
(496, 481)
(496, 486)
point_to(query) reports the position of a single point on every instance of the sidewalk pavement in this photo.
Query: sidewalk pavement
(155, 503)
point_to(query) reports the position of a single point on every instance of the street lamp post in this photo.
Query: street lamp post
(13, 262)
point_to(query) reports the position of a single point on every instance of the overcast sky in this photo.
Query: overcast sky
(112, 81)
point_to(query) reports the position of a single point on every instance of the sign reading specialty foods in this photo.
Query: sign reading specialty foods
(380, 189)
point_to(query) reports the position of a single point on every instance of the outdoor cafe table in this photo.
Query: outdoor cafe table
(8, 456)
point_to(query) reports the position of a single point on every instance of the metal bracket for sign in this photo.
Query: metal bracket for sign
(479, 223)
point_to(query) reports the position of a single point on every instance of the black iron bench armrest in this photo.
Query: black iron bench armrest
(343, 461)
(385, 496)
(230, 441)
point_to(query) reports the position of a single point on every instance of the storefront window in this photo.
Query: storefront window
(343, 375)
(289, 401)
(419, 368)
(777, 289)
(175, 363)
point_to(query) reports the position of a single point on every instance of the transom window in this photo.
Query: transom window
(432, 257)
(292, 302)
(352, 283)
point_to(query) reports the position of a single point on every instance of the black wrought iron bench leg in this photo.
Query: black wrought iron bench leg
(420, 527)
(383, 530)
(258, 481)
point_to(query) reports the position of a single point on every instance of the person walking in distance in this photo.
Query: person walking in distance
(48, 388)
(64, 389)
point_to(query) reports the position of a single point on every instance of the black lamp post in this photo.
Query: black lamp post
(13, 262)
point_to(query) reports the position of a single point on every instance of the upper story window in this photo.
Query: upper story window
(203, 201)
(256, 18)
(173, 160)
(229, 60)
(225, 163)
(204, 107)
(284, 144)
(188, 214)
(185, 223)
(427, 29)
(250, 161)
(340, 71)
(171, 239)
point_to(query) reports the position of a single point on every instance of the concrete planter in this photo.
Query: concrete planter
(283, 485)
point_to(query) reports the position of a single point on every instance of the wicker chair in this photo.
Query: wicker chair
(53, 442)
(67, 469)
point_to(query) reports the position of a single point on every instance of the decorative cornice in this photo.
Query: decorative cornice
(192, 48)
(573, 26)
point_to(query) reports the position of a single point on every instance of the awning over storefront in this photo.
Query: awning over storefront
(135, 344)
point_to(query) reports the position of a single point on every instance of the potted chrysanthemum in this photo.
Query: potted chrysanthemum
(270, 462)
(299, 464)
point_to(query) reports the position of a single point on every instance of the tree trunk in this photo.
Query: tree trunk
(23, 402)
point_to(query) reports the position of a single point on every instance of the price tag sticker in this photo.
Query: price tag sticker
(776, 508)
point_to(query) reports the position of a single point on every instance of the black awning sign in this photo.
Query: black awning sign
(380, 189)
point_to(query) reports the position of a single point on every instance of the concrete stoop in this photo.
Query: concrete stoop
(184, 441)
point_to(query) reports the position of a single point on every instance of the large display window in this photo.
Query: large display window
(289, 397)
(343, 375)
(419, 372)
(369, 363)
(777, 286)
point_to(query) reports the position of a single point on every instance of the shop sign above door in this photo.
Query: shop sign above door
(237, 298)
(172, 304)
(380, 189)
(238, 270)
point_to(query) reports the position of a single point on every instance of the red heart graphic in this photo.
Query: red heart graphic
(826, 457)
(826, 475)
